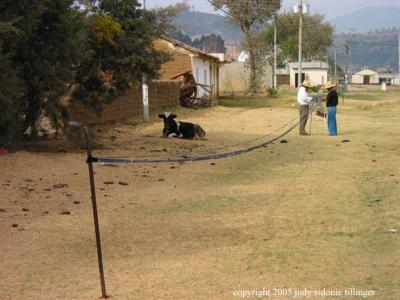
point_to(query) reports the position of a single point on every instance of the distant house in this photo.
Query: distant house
(204, 66)
(389, 78)
(365, 76)
(243, 57)
(315, 71)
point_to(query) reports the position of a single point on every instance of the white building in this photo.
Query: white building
(315, 71)
(204, 66)
(365, 76)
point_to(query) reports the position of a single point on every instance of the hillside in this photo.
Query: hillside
(378, 50)
(362, 21)
(196, 23)
(368, 19)
(372, 46)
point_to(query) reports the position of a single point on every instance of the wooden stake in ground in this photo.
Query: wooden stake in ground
(95, 215)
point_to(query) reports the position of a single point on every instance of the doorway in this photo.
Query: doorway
(303, 77)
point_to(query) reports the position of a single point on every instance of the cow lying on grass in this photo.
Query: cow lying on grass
(186, 129)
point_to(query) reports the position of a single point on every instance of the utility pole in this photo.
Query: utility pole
(300, 43)
(144, 4)
(346, 75)
(336, 68)
(274, 77)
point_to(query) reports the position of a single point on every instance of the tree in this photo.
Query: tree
(181, 36)
(249, 14)
(10, 84)
(317, 35)
(48, 46)
(120, 51)
(212, 43)
(45, 53)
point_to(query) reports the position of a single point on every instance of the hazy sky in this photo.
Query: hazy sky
(330, 8)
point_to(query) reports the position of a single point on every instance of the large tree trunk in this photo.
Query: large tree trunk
(253, 87)
(33, 112)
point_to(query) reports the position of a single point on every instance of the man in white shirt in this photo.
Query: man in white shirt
(304, 100)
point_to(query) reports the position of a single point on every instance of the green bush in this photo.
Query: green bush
(272, 92)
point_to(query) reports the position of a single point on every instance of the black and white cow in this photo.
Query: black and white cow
(186, 129)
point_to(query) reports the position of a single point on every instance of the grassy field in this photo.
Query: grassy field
(313, 216)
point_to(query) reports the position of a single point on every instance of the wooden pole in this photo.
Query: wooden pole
(346, 76)
(95, 215)
(299, 77)
(336, 79)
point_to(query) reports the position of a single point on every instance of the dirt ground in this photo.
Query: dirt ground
(318, 214)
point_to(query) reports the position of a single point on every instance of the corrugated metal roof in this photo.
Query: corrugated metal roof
(310, 65)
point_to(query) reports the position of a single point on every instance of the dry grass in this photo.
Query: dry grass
(314, 213)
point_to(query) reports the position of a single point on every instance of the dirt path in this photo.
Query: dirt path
(312, 213)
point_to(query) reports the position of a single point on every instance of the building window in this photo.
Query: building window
(197, 75)
(205, 76)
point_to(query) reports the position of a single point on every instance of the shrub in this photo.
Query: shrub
(272, 92)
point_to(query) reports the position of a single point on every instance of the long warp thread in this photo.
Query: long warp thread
(113, 160)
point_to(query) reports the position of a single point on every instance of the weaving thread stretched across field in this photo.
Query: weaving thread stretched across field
(186, 158)
(114, 160)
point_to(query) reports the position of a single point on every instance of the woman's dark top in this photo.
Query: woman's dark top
(332, 98)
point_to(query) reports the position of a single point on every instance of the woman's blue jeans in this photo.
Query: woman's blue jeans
(332, 126)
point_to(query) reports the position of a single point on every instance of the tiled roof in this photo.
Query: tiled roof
(188, 48)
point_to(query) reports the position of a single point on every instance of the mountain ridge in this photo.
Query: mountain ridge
(367, 19)
(196, 23)
(370, 45)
